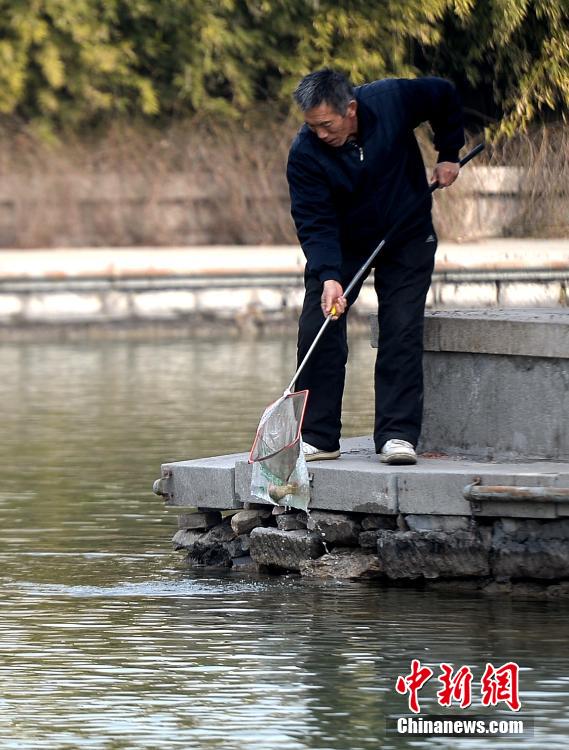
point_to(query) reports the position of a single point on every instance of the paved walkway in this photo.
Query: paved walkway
(213, 260)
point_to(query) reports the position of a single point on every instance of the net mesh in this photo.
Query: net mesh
(280, 475)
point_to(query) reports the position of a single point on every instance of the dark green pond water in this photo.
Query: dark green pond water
(108, 641)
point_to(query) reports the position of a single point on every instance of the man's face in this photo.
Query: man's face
(330, 126)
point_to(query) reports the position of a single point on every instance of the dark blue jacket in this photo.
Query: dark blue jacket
(344, 199)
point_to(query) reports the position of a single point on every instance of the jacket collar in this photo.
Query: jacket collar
(367, 119)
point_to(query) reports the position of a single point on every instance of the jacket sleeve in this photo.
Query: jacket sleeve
(436, 101)
(315, 217)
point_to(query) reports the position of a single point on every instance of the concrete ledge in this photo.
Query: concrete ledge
(200, 483)
(523, 332)
(352, 483)
(357, 482)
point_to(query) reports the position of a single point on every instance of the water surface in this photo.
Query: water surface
(108, 641)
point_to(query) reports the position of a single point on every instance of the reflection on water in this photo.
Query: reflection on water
(106, 641)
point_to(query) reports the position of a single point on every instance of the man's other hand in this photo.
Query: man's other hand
(333, 296)
(446, 172)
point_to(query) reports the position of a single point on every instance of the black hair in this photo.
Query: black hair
(327, 86)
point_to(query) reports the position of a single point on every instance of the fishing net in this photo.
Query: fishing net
(280, 475)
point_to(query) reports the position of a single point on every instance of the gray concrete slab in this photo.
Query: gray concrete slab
(517, 332)
(358, 482)
(202, 482)
(351, 483)
(525, 332)
(435, 486)
(496, 383)
(497, 406)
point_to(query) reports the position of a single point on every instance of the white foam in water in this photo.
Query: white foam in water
(143, 589)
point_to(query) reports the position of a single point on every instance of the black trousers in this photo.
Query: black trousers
(402, 277)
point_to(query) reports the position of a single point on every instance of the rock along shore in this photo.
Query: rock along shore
(527, 557)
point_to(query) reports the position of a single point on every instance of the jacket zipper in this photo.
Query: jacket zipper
(359, 149)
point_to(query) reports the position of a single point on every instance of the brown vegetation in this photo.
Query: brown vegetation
(198, 183)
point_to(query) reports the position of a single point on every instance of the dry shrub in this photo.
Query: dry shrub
(543, 156)
(199, 182)
(528, 196)
(194, 183)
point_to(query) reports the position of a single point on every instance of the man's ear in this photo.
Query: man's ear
(352, 108)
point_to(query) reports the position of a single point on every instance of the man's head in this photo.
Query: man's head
(326, 98)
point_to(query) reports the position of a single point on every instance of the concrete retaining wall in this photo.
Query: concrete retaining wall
(505, 555)
(251, 286)
(496, 383)
(86, 209)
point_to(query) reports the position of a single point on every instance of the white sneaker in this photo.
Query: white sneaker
(398, 452)
(311, 453)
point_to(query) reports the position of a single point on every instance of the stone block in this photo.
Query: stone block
(342, 564)
(438, 523)
(498, 509)
(530, 294)
(378, 522)
(243, 472)
(467, 295)
(239, 546)
(223, 532)
(117, 304)
(518, 529)
(432, 554)
(527, 333)
(210, 556)
(354, 485)
(291, 521)
(355, 482)
(368, 539)
(268, 299)
(62, 306)
(244, 564)
(335, 528)
(11, 305)
(211, 548)
(284, 549)
(525, 548)
(434, 487)
(487, 406)
(534, 558)
(244, 521)
(183, 539)
(164, 303)
(483, 368)
(217, 300)
(201, 520)
(202, 482)
(558, 529)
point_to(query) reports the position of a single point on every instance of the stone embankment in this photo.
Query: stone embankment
(191, 290)
(526, 556)
(486, 507)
